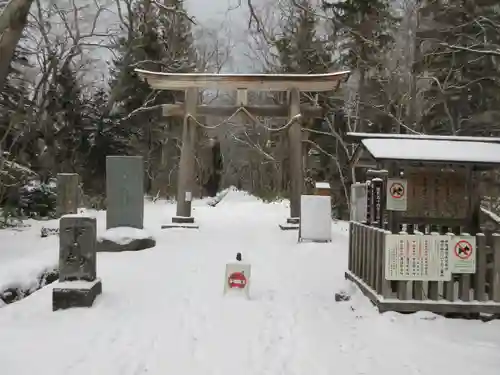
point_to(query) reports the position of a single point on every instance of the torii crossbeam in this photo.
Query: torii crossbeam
(294, 111)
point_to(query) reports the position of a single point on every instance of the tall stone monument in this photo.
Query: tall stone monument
(124, 191)
(78, 285)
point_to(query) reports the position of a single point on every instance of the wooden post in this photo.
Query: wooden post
(185, 183)
(480, 275)
(394, 217)
(495, 272)
(385, 285)
(351, 245)
(472, 189)
(296, 163)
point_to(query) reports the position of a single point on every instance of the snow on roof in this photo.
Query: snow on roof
(426, 137)
(259, 76)
(322, 185)
(419, 149)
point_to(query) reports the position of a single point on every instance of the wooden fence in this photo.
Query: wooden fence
(464, 294)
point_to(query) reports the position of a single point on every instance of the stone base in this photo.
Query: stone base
(180, 225)
(313, 241)
(182, 220)
(289, 226)
(78, 293)
(134, 245)
(448, 309)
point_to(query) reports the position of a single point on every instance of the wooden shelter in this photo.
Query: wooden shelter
(191, 83)
(438, 177)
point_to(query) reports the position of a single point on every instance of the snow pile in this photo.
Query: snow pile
(124, 235)
(24, 256)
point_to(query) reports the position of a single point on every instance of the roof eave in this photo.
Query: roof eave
(258, 82)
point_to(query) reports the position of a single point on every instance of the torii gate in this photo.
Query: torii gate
(294, 111)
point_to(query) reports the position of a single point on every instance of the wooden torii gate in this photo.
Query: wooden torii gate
(191, 83)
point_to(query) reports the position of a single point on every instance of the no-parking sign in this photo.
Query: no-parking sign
(237, 278)
(396, 194)
(463, 254)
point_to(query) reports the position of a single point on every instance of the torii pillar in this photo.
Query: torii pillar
(295, 160)
(185, 177)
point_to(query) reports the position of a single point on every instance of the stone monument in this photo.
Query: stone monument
(78, 285)
(125, 206)
(124, 191)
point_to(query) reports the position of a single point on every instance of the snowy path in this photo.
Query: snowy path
(162, 312)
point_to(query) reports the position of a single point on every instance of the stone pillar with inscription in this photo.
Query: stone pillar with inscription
(369, 202)
(124, 191)
(378, 202)
(78, 283)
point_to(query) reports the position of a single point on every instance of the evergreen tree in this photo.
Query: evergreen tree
(463, 96)
(158, 38)
(302, 49)
(107, 137)
(364, 29)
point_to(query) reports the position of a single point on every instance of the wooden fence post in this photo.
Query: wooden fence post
(480, 276)
(495, 274)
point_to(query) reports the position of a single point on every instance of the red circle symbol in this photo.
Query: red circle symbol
(463, 249)
(237, 280)
(397, 190)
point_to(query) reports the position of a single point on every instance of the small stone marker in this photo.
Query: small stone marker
(78, 285)
(124, 191)
(237, 278)
(68, 193)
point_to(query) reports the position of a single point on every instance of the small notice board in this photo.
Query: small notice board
(417, 257)
(397, 193)
(428, 257)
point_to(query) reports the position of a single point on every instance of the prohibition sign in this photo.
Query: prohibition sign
(397, 190)
(237, 280)
(463, 249)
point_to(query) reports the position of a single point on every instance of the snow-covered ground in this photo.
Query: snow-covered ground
(162, 310)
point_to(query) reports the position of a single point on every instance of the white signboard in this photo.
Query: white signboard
(359, 202)
(237, 278)
(315, 218)
(188, 196)
(417, 257)
(397, 194)
(463, 254)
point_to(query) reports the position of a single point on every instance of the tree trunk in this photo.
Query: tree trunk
(12, 21)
